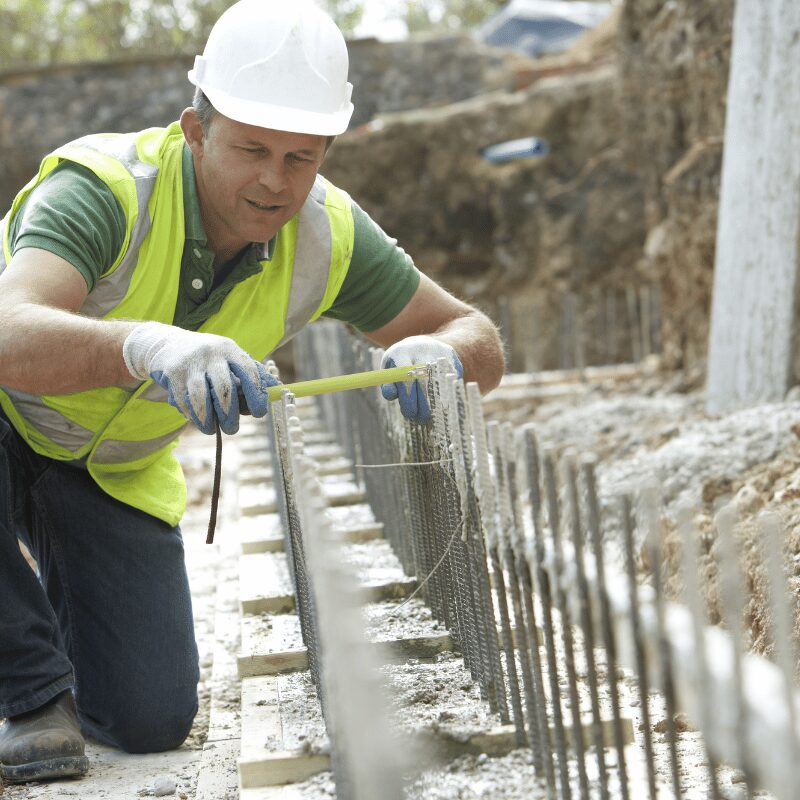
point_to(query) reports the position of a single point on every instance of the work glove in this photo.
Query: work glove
(200, 372)
(413, 395)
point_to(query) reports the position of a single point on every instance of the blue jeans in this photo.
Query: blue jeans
(110, 615)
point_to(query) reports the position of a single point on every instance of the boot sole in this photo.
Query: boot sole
(67, 767)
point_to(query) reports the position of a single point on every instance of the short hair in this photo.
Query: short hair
(203, 108)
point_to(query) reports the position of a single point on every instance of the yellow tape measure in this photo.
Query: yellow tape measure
(343, 383)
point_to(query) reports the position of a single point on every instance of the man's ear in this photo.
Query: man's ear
(192, 130)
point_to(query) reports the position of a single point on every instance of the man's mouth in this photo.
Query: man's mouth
(264, 206)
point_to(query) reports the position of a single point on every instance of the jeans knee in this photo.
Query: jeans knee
(155, 735)
(140, 731)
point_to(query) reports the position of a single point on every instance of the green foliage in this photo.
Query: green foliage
(447, 15)
(43, 32)
(347, 13)
(40, 32)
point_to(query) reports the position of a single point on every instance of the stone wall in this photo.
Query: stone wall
(40, 109)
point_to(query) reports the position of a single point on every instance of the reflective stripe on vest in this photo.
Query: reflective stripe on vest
(116, 451)
(51, 423)
(313, 251)
(109, 290)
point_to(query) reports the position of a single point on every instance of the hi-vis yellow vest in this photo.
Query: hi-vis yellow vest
(127, 435)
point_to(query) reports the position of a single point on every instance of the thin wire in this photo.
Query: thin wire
(419, 588)
(406, 464)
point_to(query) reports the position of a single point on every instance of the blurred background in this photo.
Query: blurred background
(591, 241)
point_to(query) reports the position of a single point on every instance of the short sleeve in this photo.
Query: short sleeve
(73, 214)
(380, 281)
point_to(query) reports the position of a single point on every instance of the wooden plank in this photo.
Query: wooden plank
(275, 662)
(277, 769)
(277, 604)
(284, 603)
(265, 584)
(264, 760)
(288, 767)
(501, 740)
(351, 516)
(253, 664)
(218, 778)
(259, 527)
(395, 650)
(323, 452)
(260, 470)
(256, 500)
(273, 542)
(286, 792)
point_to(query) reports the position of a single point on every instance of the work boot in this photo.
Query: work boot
(43, 744)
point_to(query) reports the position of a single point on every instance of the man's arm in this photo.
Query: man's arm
(433, 312)
(48, 348)
(45, 346)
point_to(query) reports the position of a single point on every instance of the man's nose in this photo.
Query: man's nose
(273, 177)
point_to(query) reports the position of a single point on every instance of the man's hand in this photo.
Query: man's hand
(199, 372)
(416, 350)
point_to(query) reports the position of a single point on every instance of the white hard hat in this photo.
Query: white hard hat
(277, 64)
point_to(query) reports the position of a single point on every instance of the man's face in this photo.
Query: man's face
(250, 181)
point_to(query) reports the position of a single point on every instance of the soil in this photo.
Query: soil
(641, 434)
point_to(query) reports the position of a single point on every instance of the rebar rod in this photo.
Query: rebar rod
(694, 602)
(638, 643)
(504, 466)
(586, 619)
(545, 596)
(652, 520)
(609, 642)
(733, 591)
(501, 594)
(484, 496)
(542, 746)
(559, 579)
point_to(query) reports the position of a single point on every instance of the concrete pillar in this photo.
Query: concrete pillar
(755, 281)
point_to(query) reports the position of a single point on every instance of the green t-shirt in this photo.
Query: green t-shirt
(74, 215)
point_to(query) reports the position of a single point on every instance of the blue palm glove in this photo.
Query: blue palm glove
(412, 395)
(201, 372)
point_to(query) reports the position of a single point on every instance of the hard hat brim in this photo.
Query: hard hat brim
(279, 118)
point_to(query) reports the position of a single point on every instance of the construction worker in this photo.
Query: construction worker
(143, 277)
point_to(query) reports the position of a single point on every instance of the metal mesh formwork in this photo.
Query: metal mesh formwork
(517, 554)
(365, 759)
(419, 482)
(282, 449)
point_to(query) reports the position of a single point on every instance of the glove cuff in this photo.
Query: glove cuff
(141, 344)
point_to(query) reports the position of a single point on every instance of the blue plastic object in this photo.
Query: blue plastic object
(515, 148)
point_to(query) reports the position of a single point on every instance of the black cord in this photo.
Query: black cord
(212, 522)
